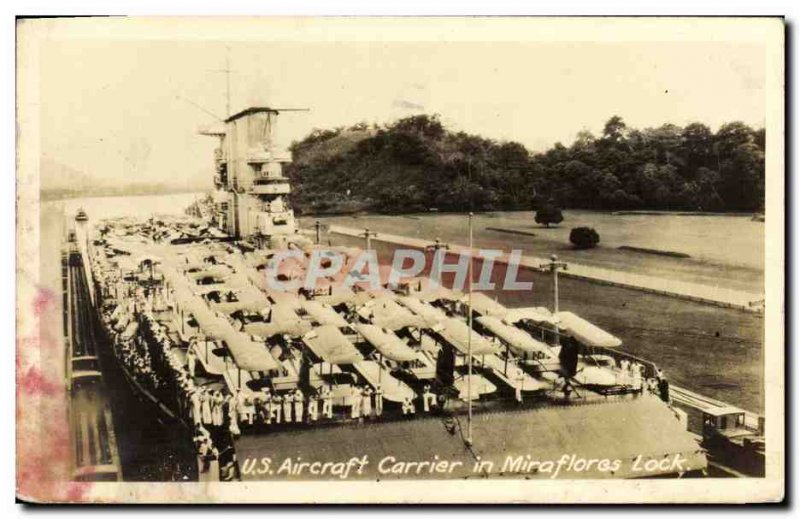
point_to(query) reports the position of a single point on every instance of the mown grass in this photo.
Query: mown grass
(737, 261)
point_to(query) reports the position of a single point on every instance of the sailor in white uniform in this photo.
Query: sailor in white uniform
(428, 398)
(287, 407)
(624, 367)
(233, 417)
(241, 407)
(250, 407)
(378, 400)
(355, 402)
(191, 360)
(313, 403)
(266, 405)
(366, 402)
(276, 407)
(327, 402)
(217, 411)
(205, 400)
(636, 376)
(197, 408)
(298, 405)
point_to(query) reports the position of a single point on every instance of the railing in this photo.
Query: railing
(271, 189)
(650, 369)
(263, 178)
(550, 336)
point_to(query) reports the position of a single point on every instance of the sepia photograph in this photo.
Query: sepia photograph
(400, 260)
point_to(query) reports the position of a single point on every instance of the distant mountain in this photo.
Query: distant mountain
(54, 176)
(57, 181)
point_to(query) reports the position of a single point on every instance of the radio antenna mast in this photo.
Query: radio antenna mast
(227, 71)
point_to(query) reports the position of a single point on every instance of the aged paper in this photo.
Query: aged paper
(400, 260)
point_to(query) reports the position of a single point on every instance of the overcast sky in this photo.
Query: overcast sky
(123, 108)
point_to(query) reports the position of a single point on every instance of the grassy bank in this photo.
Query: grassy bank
(726, 253)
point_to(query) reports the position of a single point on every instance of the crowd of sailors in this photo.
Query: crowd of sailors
(218, 408)
(217, 414)
(131, 348)
(631, 373)
(266, 408)
(137, 359)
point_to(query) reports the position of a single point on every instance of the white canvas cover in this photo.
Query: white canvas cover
(458, 334)
(328, 343)
(513, 336)
(586, 332)
(386, 342)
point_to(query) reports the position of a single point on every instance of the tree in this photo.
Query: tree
(549, 214)
(698, 144)
(614, 129)
(423, 125)
(584, 141)
(666, 141)
(417, 163)
(584, 237)
(760, 138)
(733, 134)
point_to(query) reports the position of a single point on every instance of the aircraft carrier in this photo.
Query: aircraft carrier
(264, 361)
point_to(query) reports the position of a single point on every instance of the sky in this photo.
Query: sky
(127, 108)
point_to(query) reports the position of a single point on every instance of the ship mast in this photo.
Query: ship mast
(469, 312)
(227, 71)
(469, 338)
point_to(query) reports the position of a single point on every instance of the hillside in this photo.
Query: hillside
(415, 164)
(58, 181)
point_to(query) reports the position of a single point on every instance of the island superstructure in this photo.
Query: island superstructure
(251, 197)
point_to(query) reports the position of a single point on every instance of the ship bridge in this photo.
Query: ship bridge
(252, 193)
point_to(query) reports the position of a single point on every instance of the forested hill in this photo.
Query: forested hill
(415, 164)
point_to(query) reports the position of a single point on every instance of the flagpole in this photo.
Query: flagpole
(469, 339)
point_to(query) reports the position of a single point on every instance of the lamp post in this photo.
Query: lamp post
(368, 237)
(554, 266)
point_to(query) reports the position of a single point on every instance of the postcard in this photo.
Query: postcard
(400, 260)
